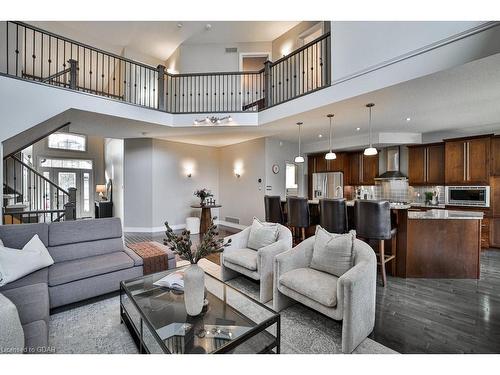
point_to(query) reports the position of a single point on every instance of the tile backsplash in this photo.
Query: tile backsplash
(395, 191)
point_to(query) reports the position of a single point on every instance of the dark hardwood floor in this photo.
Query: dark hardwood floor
(427, 315)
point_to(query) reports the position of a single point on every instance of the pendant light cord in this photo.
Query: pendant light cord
(370, 122)
(330, 142)
(299, 138)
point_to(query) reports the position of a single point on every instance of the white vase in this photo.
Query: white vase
(194, 289)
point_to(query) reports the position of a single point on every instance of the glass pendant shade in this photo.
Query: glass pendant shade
(370, 151)
(330, 156)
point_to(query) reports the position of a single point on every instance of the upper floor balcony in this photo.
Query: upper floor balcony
(33, 54)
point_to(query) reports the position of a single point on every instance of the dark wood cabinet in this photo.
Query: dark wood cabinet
(495, 156)
(103, 209)
(495, 232)
(467, 161)
(426, 164)
(362, 169)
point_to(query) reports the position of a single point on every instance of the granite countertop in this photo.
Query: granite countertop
(445, 214)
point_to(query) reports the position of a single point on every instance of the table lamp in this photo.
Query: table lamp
(101, 189)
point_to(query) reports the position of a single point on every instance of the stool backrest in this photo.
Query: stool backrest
(373, 219)
(333, 215)
(298, 212)
(274, 212)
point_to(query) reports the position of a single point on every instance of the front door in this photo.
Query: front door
(81, 179)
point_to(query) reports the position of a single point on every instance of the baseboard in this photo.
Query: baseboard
(230, 225)
(152, 229)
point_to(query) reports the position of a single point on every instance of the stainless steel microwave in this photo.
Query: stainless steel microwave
(473, 196)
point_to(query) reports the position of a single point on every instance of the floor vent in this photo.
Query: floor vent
(231, 49)
(233, 220)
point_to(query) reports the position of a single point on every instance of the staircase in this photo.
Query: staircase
(30, 197)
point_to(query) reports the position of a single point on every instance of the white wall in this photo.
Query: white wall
(278, 152)
(172, 190)
(113, 156)
(357, 45)
(138, 183)
(212, 57)
(242, 198)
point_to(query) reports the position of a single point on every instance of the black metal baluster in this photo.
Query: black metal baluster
(33, 56)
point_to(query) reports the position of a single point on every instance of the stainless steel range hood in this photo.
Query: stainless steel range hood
(392, 164)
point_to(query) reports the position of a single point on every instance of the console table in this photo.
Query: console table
(206, 215)
(103, 209)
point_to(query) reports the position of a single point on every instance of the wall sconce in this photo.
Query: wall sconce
(238, 168)
(188, 170)
(238, 175)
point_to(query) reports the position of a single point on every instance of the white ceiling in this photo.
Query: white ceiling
(159, 39)
(464, 99)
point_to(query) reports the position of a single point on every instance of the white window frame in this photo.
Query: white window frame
(65, 149)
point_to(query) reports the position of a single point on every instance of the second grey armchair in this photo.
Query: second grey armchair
(349, 298)
(256, 264)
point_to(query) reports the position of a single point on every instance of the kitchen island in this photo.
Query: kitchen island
(439, 244)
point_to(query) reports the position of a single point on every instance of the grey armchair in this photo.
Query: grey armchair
(350, 297)
(256, 264)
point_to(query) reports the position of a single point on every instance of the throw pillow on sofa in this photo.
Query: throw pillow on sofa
(333, 253)
(15, 263)
(262, 234)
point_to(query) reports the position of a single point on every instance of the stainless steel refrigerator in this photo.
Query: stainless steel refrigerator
(328, 185)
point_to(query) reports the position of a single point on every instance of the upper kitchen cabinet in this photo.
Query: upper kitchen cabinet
(467, 161)
(495, 156)
(363, 169)
(426, 164)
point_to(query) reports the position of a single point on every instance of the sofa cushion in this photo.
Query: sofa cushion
(15, 263)
(245, 257)
(38, 277)
(74, 231)
(32, 302)
(65, 272)
(63, 253)
(333, 253)
(316, 285)
(12, 334)
(16, 236)
(262, 234)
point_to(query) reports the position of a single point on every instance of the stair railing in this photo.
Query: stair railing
(29, 196)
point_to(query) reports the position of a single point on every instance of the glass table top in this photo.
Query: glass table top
(229, 316)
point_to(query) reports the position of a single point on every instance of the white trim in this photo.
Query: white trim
(230, 225)
(252, 54)
(152, 229)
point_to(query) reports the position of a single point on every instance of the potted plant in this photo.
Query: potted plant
(194, 276)
(203, 194)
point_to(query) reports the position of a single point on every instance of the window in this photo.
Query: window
(66, 163)
(68, 141)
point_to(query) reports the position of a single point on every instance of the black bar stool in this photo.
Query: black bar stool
(274, 212)
(298, 215)
(333, 215)
(373, 222)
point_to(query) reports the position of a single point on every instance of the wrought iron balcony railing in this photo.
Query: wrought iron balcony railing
(38, 55)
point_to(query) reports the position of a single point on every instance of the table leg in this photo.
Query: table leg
(205, 220)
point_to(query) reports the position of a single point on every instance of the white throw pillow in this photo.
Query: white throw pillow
(333, 253)
(262, 234)
(15, 263)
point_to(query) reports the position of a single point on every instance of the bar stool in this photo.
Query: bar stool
(333, 215)
(274, 212)
(373, 222)
(298, 215)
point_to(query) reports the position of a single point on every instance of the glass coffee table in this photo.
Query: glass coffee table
(232, 322)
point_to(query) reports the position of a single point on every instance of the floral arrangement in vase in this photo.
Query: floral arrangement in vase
(203, 194)
(194, 276)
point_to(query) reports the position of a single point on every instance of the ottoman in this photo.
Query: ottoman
(156, 257)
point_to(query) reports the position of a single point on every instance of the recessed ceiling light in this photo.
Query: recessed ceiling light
(320, 135)
(358, 129)
(408, 119)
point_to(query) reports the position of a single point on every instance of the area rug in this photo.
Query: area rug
(96, 328)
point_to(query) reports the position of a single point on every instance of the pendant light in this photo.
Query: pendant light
(299, 158)
(330, 155)
(370, 151)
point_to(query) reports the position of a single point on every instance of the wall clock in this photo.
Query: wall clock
(276, 168)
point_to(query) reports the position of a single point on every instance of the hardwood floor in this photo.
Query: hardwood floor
(427, 315)
(442, 315)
